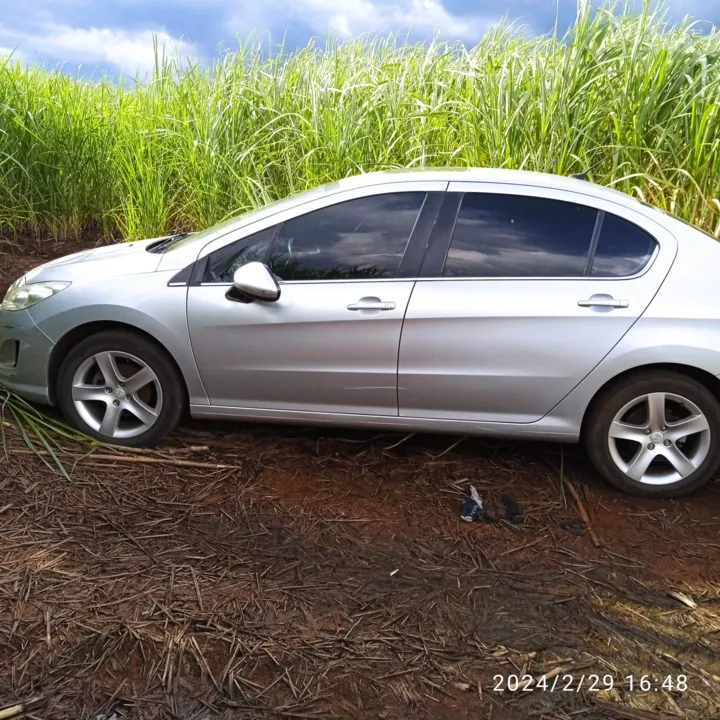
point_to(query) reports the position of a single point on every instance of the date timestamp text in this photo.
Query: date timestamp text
(589, 683)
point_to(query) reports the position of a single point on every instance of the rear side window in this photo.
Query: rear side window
(357, 239)
(623, 248)
(499, 235)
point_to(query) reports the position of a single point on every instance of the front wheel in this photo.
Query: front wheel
(121, 388)
(655, 435)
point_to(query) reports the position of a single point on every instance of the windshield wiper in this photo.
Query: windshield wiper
(163, 245)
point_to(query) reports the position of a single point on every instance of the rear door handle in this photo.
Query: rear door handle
(608, 302)
(371, 305)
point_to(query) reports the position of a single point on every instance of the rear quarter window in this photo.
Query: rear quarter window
(623, 248)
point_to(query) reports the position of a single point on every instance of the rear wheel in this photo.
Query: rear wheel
(121, 388)
(655, 435)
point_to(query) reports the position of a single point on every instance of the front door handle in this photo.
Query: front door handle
(371, 305)
(605, 301)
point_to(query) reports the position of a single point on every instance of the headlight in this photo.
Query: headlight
(20, 281)
(21, 296)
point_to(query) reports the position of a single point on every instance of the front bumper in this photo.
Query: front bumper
(24, 356)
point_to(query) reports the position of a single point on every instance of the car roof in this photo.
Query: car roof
(520, 178)
(482, 175)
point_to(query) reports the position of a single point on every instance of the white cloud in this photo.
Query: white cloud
(353, 17)
(80, 32)
(16, 54)
(127, 50)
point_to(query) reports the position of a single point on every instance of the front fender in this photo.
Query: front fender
(151, 306)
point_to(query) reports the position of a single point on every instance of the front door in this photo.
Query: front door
(330, 343)
(529, 295)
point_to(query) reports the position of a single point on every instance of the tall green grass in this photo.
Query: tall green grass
(42, 434)
(631, 98)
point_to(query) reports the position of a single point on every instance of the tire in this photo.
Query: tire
(621, 434)
(97, 394)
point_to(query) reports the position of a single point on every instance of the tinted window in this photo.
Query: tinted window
(622, 249)
(363, 238)
(223, 263)
(519, 236)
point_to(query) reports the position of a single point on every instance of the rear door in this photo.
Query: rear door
(347, 267)
(525, 291)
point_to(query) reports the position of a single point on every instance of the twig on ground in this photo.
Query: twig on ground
(454, 445)
(400, 442)
(140, 459)
(583, 513)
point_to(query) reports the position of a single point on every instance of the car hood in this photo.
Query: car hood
(127, 258)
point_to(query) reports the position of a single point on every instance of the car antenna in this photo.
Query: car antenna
(579, 176)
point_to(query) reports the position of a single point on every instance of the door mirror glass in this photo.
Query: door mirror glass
(254, 281)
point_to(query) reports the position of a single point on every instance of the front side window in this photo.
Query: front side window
(623, 248)
(499, 235)
(357, 239)
(222, 264)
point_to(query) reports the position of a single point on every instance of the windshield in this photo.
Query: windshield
(193, 237)
(275, 206)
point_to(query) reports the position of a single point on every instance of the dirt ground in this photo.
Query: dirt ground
(275, 572)
(19, 256)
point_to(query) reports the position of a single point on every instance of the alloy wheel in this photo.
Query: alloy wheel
(116, 394)
(659, 438)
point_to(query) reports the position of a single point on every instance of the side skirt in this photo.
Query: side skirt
(552, 429)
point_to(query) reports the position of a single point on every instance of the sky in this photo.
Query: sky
(116, 36)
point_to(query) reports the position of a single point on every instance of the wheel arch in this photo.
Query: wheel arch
(81, 332)
(708, 380)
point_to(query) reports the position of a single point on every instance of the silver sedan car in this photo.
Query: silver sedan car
(479, 302)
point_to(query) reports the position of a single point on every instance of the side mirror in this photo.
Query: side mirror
(254, 281)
